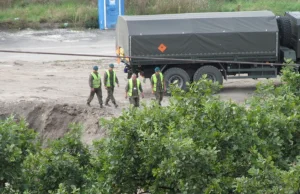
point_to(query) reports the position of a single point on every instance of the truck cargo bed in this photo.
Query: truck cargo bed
(244, 36)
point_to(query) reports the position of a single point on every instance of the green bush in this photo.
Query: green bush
(64, 162)
(16, 143)
(200, 144)
(197, 144)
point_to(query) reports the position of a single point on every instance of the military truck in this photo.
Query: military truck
(225, 45)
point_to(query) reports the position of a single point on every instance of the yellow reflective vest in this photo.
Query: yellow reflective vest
(155, 81)
(130, 86)
(108, 79)
(96, 80)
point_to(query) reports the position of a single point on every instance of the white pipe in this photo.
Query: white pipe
(119, 7)
(105, 14)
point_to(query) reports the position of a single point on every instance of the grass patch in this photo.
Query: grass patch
(84, 13)
(78, 13)
(136, 7)
(278, 7)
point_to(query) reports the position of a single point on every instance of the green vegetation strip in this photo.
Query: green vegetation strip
(84, 13)
(66, 13)
(134, 7)
(198, 144)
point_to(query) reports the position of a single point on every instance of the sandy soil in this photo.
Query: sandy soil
(51, 91)
(50, 95)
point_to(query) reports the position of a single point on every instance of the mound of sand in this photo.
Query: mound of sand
(52, 121)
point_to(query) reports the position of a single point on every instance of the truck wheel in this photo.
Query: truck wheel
(178, 75)
(285, 30)
(212, 73)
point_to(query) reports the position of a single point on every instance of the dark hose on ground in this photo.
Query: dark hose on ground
(146, 58)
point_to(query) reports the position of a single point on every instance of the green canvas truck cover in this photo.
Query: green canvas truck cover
(218, 35)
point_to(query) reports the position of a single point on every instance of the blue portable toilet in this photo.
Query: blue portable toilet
(109, 10)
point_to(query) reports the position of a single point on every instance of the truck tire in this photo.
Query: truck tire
(285, 30)
(177, 74)
(212, 73)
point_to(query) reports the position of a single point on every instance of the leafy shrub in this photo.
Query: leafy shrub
(16, 143)
(63, 162)
(200, 144)
(197, 144)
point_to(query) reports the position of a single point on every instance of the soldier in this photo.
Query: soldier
(95, 85)
(133, 90)
(110, 81)
(158, 85)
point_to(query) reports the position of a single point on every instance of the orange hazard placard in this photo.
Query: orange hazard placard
(162, 48)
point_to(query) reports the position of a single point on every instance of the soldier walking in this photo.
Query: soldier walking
(95, 85)
(158, 85)
(133, 90)
(110, 81)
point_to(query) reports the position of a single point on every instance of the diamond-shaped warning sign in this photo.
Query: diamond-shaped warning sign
(162, 48)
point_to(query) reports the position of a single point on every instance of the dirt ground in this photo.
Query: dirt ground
(50, 95)
(51, 91)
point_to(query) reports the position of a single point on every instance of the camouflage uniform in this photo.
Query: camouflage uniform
(135, 98)
(110, 89)
(159, 93)
(97, 91)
